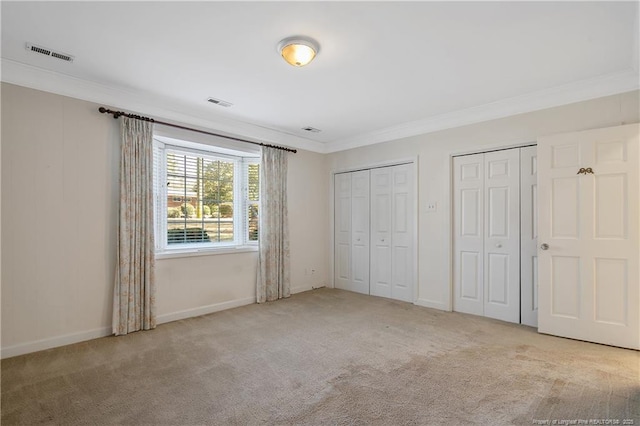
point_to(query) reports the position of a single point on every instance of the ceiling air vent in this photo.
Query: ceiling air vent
(219, 102)
(311, 129)
(48, 52)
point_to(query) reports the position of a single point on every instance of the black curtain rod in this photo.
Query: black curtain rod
(117, 114)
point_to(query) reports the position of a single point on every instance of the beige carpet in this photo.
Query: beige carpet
(324, 357)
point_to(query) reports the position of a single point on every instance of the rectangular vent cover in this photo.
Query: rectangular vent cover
(311, 129)
(48, 52)
(219, 102)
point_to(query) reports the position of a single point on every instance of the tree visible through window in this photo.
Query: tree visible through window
(205, 197)
(253, 200)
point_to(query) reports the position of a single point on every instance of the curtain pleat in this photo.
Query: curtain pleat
(134, 291)
(273, 268)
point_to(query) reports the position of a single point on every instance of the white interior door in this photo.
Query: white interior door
(502, 235)
(529, 236)
(402, 234)
(342, 225)
(360, 232)
(588, 275)
(468, 234)
(381, 193)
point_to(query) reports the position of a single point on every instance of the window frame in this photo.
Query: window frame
(241, 240)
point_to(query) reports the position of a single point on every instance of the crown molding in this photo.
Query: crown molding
(610, 84)
(41, 79)
(21, 74)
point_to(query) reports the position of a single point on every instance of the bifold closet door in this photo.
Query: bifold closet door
(392, 236)
(342, 225)
(468, 240)
(360, 231)
(486, 242)
(351, 262)
(529, 236)
(502, 235)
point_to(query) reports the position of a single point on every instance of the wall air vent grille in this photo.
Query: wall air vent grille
(48, 52)
(220, 102)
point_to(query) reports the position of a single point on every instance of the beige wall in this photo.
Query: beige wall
(59, 203)
(59, 211)
(434, 152)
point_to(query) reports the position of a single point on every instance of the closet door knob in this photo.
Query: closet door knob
(382, 240)
(499, 245)
(544, 246)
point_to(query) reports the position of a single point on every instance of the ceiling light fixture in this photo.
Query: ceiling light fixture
(298, 51)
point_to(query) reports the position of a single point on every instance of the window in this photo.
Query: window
(204, 199)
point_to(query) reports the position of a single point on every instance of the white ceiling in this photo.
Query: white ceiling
(385, 69)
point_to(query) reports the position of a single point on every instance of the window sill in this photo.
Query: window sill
(205, 252)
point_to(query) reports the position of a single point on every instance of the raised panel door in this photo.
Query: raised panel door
(589, 282)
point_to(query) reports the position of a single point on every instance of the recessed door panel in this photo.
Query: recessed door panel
(498, 212)
(611, 152)
(361, 265)
(565, 207)
(565, 286)
(611, 285)
(381, 270)
(344, 215)
(401, 288)
(470, 212)
(534, 287)
(565, 155)
(470, 172)
(343, 266)
(400, 212)
(498, 272)
(611, 206)
(382, 207)
(498, 168)
(470, 276)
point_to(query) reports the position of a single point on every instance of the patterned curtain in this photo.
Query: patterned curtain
(273, 265)
(134, 294)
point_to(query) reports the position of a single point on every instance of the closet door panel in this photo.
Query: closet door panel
(342, 224)
(468, 237)
(360, 231)
(502, 235)
(529, 236)
(381, 261)
(402, 234)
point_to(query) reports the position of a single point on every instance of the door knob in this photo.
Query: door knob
(544, 246)
(499, 245)
(382, 240)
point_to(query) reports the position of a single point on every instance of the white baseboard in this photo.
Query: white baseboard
(301, 288)
(54, 342)
(68, 339)
(203, 310)
(432, 304)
